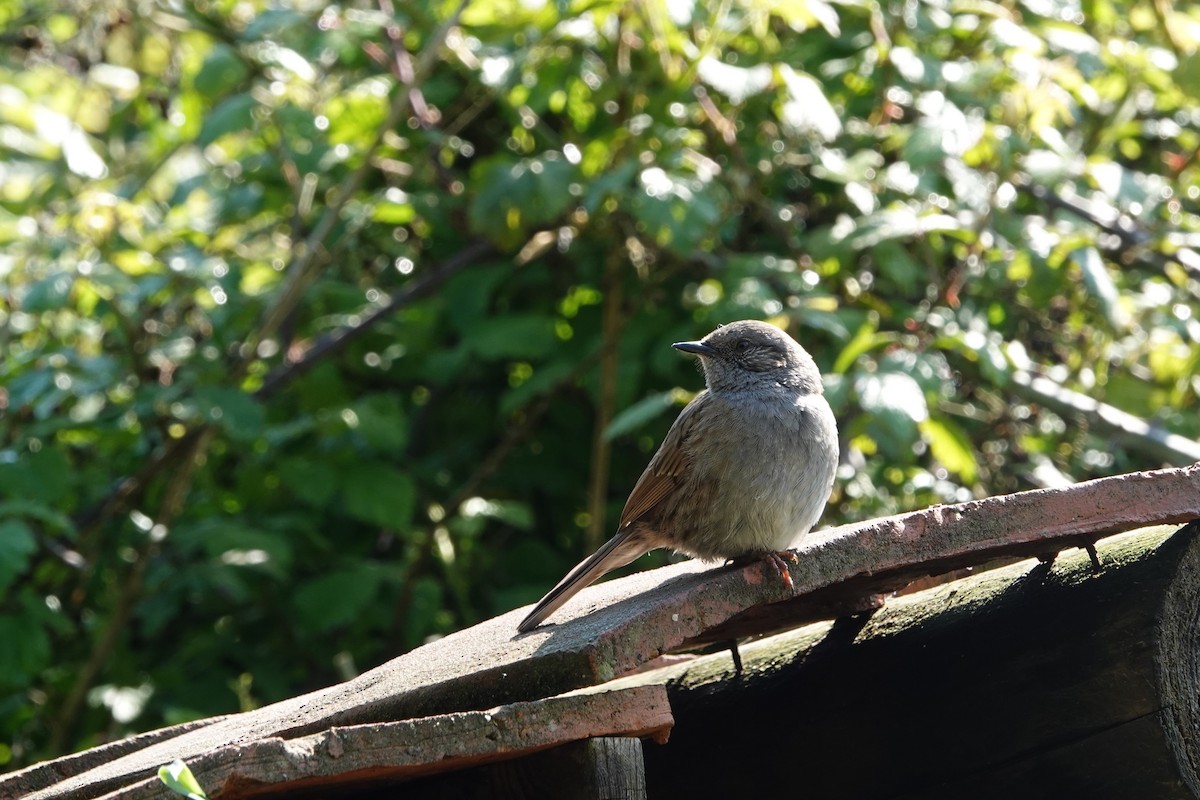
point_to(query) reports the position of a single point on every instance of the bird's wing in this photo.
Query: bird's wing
(664, 472)
(669, 465)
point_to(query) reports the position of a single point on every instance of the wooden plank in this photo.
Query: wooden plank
(608, 768)
(383, 754)
(1034, 681)
(612, 628)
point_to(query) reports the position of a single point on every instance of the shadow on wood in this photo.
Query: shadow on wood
(954, 670)
(1034, 680)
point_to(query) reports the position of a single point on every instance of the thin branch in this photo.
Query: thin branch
(491, 463)
(172, 505)
(334, 341)
(305, 264)
(1129, 233)
(1154, 440)
(606, 402)
(130, 487)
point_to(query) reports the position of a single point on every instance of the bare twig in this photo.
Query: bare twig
(606, 403)
(102, 649)
(334, 341)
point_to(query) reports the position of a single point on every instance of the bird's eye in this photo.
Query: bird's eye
(743, 345)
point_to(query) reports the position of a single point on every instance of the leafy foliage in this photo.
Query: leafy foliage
(324, 326)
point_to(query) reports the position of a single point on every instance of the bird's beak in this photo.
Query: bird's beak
(695, 348)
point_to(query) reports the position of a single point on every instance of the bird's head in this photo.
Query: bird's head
(748, 354)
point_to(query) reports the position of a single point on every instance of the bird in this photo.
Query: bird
(745, 470)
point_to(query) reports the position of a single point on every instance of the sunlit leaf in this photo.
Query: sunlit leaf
(952, 447)
(1098, 281)
(736, 83)
(867, 338)
(806, 109)
(179, 779)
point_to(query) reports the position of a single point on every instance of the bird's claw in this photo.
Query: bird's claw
(780, 560)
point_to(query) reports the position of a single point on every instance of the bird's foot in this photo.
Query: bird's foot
(779, 560)
(735, 654)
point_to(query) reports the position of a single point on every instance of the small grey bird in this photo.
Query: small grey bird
(745, 470)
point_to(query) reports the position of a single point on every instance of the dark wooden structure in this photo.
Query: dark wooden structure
(1033, 681)
(1044, 678)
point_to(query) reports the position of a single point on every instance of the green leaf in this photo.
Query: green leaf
(901, 222)
(512, 336)
(381, 421)
(379, 494)
(895, 405)
(221, 73)
(677, 210)
(26, 650)
(951, 446)
(544, 379)
(43, 478)
(16, 545)
(897, 265)
(806, 109)
(1100, 284)
(179, 779)
(615, 182)
(277, 25)
(237, 413)
(428, 600)
(468, 294)
(736, 83)
(47, 294)
(865, 340)
(231, 115)
(233, 542)
(338, 598)
(527, 193)
(389, 213)
(47, 516)
(310, 480)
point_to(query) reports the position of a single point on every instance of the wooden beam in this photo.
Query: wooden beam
(1037, 680)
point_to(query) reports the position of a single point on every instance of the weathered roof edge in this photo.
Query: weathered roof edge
(612, 628)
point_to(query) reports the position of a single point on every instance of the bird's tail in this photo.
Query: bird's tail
(616, 552)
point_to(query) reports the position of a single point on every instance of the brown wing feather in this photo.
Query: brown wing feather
(616, 552)
(662, 475)
(666, 470)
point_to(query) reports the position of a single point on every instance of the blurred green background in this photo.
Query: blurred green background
(330, 328)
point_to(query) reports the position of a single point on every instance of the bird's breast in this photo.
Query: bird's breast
(770, 466)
